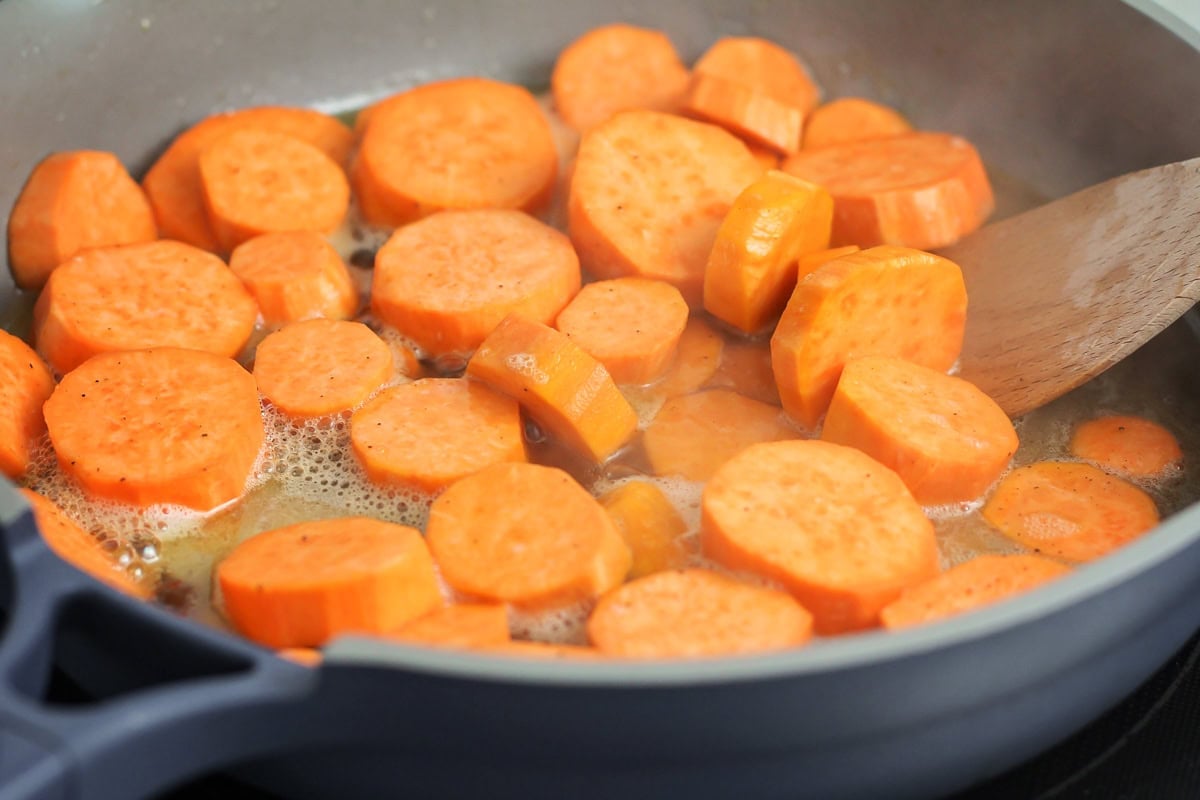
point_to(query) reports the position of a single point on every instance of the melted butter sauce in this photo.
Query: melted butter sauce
(307, 470)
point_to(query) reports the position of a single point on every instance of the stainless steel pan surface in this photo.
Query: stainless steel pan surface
(1056, 96)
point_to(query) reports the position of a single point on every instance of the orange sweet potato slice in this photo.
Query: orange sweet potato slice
(25, 385)
(650, 526)
(947, 440)
(648, 194)
(630, 325)
(303, 584)
(173, 182)
(321, 366)
(923, 190)
(160, 294)
(973, 584)
(751, 270)
(492, 542)
(163, 425)
(616, 68)
(693, 435)
(1071, 511)
(463, 143)
(886, 301)
(446, 281)
(835, 527)
(694, 614)
(295, 275)
(72, 202)
(564, 388)
(432, 432)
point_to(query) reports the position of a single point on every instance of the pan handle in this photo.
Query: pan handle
(220, 700)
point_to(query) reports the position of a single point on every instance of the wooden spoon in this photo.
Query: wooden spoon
(1060, 293)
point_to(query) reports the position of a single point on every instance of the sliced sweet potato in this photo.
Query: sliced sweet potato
(751, 270)
(1071, 511)
(693, 435)
(72, 202)
(694, 614)
(256, 182)
(430, 433)
(630, 325)
(564, 388)
(163, 425)
(463, 143)
(493, 541)
(446, 281)
(753, 115)
(947, 440)
(697, 358)
(461, 625)
(1127, 445)
(852, 119)
(173, 183)
(321, 366)
(650, 526)
(886, 301)
(294, 276)
(835, 527)
(25, 385)
(303, 584)
(648, 194)
(763, 65)
(973, 584)
(746, 369)
(616, 68)
(160, 294)
(923, 190)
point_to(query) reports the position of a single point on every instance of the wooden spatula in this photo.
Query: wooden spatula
(1060, 293)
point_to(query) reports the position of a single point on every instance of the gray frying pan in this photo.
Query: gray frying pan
(1056, 95)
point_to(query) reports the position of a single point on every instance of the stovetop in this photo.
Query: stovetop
(1147, 748)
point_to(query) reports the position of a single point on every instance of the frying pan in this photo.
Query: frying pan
(1056, 95)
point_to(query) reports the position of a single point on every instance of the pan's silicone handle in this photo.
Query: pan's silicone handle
(244, 703)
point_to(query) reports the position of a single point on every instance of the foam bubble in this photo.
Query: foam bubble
(133, 536)
(526, 365)
(305, 470)
(1162, 483)
(311, 460)
(564, 625)
(952, 510)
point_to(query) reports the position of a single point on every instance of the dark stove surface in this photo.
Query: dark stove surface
(1147, 748)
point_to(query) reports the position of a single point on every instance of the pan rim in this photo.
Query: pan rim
(822, 656)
